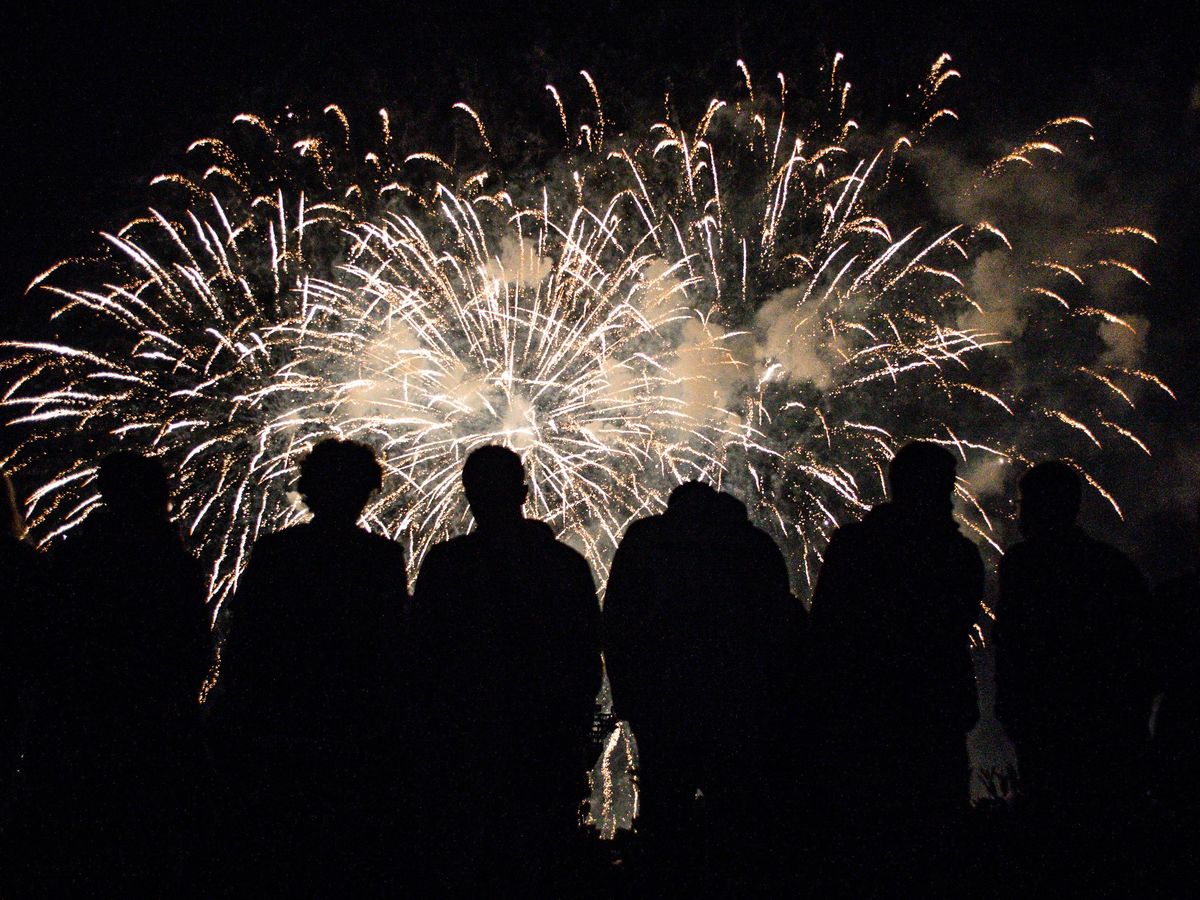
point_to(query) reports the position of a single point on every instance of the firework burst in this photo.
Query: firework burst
(724, 301)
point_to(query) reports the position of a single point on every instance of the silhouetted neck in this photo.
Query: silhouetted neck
(117, 519)
(923, 515)
(335, 521)
(1051, 531)
(499, 523)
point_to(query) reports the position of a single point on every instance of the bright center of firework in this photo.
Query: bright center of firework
(520, 424)
(585, 369)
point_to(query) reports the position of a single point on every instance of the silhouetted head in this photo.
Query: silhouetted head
(494, 481)
(12, 522)
(1050, 497)
(730, 509)
(693, 499)
(921, 477)
(337, 479)
(134, 486)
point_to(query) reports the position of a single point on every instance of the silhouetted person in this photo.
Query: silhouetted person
(115, 758)
(701, 646)
(310, 687)
(507, 623)
(1072, 687)
(23, 577)
(1175, 633)
(893, 684)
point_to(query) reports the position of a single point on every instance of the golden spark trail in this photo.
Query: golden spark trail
(721, 300)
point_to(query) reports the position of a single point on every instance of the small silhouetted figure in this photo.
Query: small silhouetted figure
(1072, 687)
(893, 684)
(23, 576)
(701, 642)
(1175, 633)
(310, 687)
(115, 759)
(506, 620)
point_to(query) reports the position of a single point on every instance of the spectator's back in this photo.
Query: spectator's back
(891, 616)
(313, 648)
(1176, 631)
(1072, 684)
(133, 616)
(702, 644)
(893, 686)
(22, 600)
(311, 693)
(115, 761)
(506, 620)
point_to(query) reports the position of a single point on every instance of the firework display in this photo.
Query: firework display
(746, 300)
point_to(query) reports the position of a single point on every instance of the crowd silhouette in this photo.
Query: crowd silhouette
(356, 738)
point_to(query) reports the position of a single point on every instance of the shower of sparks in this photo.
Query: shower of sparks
(723, 302)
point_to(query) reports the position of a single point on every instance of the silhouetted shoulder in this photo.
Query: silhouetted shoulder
(1117, 561)
(566, 552)
(542, 537)
(443, 552)
(540, 528)
(643, 529)
(846, 535)
(1176, 607)
(1073, 552)
(446, 568)
(632, 563)
(312, 537)
(843, 546)
(1016, 559)
(270, 545)
(1015, 552)
(760, 539)
(460, 543)
(388, 552)
(268, 556)
(767, 558)
(966, 545)
(382, 544)
(1181, 589)
(19, 551)
(969, 557)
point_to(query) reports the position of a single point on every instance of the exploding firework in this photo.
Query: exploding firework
(723, 301)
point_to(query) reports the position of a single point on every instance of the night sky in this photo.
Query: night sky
(98, 99)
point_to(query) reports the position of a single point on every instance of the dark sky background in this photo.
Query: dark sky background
(98, 98)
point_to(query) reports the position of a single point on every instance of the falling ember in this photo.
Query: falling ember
(725, 302)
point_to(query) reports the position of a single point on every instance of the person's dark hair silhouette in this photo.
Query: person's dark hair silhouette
(1051, 494)
(1072, 688)
(311, 681)
(701, 645)
(116, 755)
(337, 479)
(494, 482)
(506, 620)
(921, 477)
(893, 680)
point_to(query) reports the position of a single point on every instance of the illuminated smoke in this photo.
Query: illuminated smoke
(722, 301)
